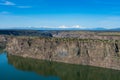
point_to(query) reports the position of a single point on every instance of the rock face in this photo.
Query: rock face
(87, 35)
(3, 41)
(101, 53)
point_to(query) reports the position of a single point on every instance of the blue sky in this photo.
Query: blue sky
(59, 14)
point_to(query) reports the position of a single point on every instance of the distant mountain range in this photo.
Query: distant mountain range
(25, 33)
(97, 29)
(115, 29)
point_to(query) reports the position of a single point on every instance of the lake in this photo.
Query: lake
(18, 68)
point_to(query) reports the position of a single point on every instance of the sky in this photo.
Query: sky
(84, 14)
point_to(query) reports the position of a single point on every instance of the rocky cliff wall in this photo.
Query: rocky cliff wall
(101, 53)
(88, 35)
(3, 41)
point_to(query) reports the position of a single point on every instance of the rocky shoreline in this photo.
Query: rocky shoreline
(100, 53)
(85, 51)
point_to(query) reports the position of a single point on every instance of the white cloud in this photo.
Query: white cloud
(63, 26)
(23, 6)
(78, 26)
(7, 3)
(75, 26)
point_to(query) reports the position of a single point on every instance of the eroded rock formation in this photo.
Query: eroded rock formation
(3, 41)
(101, 53)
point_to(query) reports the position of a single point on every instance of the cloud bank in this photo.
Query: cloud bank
(8, 3)
(60, 27)
(75, 26)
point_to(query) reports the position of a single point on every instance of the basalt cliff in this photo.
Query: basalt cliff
(96, 49)
(101, 53)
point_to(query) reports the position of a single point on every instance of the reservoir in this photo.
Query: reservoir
(18, 68)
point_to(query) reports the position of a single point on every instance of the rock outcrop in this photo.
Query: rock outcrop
(3, 41)
(88, 35)
(101, 53)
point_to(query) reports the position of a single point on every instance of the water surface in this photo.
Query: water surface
(18, 68)
(11, 72)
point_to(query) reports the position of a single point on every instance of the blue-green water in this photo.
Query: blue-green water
(9, 72)
(18, 68)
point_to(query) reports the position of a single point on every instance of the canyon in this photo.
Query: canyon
(74, 50)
